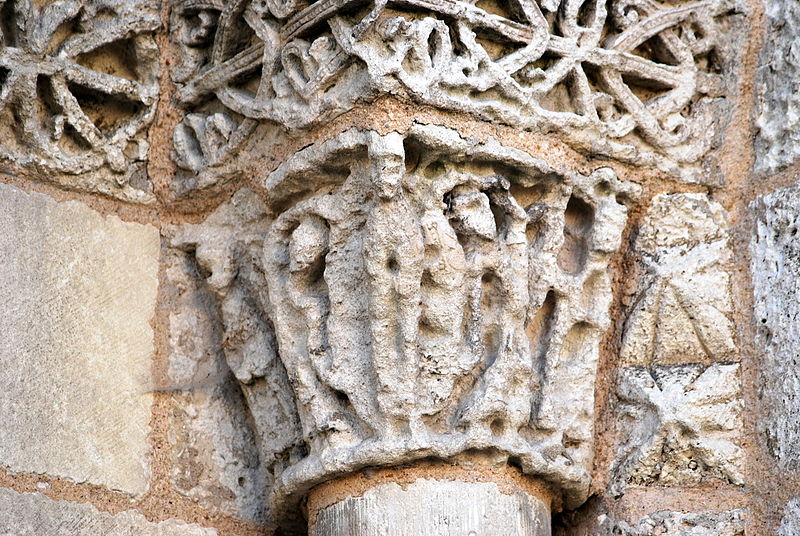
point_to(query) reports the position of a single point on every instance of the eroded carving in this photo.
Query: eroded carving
(681, 310)
(680, 425)
(78, 86)
(634, 79)
(432, 296)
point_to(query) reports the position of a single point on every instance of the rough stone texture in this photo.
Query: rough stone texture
(78, 87)
(214, 452)
(33, 514)
(678, 390)
(78, 293)
(776, 271)
(430, 296)
(682, 306)
(778, 110)
(790, 523)
(435, 508)
(641, 81)
(679, 425)
(728, 523)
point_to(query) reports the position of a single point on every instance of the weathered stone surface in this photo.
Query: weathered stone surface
(78, 291)
(778, 140)
(430, 295)
(435, 508)
(678, 425)
(33, 514)
(78, 87)
(790, 523)
(776, 272)
(645, 82)
(214, 452)
(666, 523)
(682, 309)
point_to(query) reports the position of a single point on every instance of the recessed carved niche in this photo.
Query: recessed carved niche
(395, 298)
(635, 80)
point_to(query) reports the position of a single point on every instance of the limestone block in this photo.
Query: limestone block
(644, 82)
(776, 273)
(33, 514)
(415, 296)
(666, 523)
(790, 523)
(435, 508)
(682, 306)
(678, 426)
(78, 89)
(213, 450)
(777, 142)
(78, 291)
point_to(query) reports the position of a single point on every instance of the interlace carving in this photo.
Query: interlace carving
(626, 78)
(78, 84)
(430, 296)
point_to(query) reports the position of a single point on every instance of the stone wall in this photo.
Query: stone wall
(261, 256)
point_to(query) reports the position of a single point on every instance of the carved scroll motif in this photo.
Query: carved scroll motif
(78, 85)
(627, 78)
(433, 296)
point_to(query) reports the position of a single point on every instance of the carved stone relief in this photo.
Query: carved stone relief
(636, 80)
(679, 404)
(78, 87)
(430, 296)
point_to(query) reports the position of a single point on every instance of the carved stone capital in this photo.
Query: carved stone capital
(431, 297)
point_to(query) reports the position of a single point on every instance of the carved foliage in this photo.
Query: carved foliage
(433, 296)
(78, 84)
(608, 75)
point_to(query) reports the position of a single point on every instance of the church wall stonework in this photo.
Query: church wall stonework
(282, 267)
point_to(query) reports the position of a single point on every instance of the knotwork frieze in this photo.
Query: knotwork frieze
(415, 296)
(636, 80)
(78, 88)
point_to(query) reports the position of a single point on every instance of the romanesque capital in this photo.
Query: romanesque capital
(428, 296)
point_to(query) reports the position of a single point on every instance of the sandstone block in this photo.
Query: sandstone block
(78, 291)
(776, 275)
(33, 514)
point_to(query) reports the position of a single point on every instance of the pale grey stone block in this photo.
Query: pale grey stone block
(435, 508)
(776, 280)
(790, 523)
(78, 293)
(778, 106)
(33, 514)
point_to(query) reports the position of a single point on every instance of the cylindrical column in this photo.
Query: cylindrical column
(428, 506)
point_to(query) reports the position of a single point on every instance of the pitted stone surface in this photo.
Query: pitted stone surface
(679, 425)
(33, 514)
(214, 454)
(430, 295)
(78, 291)
(682, 309)
(78, 88)
(666, 523)
(790, 523)
(435, 508)
(778, 140)
(642, 81)
(776, 273)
